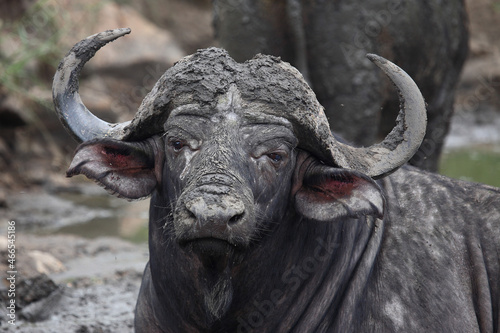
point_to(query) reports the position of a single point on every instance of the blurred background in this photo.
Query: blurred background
(35, 150)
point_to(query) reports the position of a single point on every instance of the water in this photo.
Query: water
(479, 163)
(120, 218)
(472, 148)
(89, 213)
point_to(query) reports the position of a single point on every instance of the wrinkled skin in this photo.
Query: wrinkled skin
(224, 176)
(327, 41)
(224, 179)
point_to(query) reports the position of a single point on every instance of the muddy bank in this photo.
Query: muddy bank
(76, 207)
(68, 283)
(76, 267)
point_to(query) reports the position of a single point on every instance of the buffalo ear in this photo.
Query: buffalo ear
(126, 169)
(327, 193)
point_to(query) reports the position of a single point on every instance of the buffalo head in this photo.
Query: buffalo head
(229, 151)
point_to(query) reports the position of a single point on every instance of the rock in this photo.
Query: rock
(189, 21)
(33, 289)
(45, 263)
(116, 80)
(36, 297)
(11, 113)
(484, 18)
(145, 45)
(43, 308)
(3, 200)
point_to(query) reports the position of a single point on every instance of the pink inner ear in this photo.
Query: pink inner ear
(124, 168)
(117, 159)
(327, 193)
(331, 190)
(335, 189)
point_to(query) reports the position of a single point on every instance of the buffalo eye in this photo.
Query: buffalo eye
(177, 145)
(275, 157)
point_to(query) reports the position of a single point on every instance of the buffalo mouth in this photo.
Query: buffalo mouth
(214, 253)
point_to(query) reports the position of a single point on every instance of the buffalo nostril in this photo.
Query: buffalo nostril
(236, 218)
(192, 215)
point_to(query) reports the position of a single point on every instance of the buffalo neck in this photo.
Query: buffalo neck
(301, 276)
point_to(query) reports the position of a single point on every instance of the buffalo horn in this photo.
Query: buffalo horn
(77, 119)
(402, 142)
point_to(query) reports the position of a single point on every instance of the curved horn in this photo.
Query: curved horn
(402, 142)
(77, 119)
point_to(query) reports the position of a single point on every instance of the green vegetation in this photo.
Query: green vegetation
(30, 50)
(479, 164)
(141, 236)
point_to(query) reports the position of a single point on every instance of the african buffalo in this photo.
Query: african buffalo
(327, 41)
(261, 220)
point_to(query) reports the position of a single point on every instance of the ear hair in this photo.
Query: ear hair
(126, 169)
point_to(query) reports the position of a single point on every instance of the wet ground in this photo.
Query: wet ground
(91, 247)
